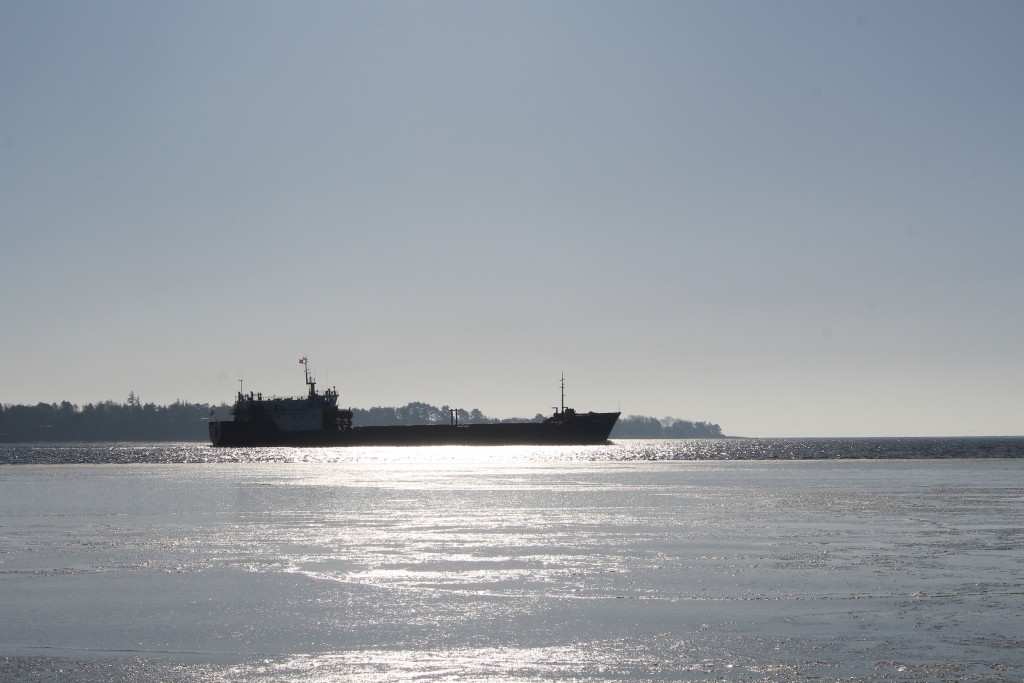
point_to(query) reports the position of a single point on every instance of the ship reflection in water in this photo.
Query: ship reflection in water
(316, 420)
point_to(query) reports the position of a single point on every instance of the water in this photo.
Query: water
(643, 561)
(620, 450)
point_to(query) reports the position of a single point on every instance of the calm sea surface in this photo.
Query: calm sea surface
(739, 560)
(619, 450)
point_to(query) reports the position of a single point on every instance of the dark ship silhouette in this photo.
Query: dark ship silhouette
(316, 420)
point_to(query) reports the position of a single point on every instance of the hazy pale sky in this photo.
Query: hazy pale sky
(789, 218)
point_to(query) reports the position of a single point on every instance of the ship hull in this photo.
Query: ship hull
(581, 429)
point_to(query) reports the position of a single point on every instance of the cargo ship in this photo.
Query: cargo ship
(316, 420)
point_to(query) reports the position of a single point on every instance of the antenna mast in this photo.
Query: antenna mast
(563, 392)
(304, 361)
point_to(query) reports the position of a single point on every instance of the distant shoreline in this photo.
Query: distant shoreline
(135, 422)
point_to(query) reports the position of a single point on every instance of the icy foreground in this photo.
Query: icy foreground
(460, 568)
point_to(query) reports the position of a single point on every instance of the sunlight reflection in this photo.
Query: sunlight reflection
(657, 657)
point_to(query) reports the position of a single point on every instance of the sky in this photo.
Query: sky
(786, 218)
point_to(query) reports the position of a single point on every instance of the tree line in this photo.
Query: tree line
(105, 421)
(185, 421)
(640, 427)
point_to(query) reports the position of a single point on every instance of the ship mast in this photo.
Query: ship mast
(563, 392)
(310, 382)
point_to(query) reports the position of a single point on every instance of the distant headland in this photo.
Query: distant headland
(134, 420)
